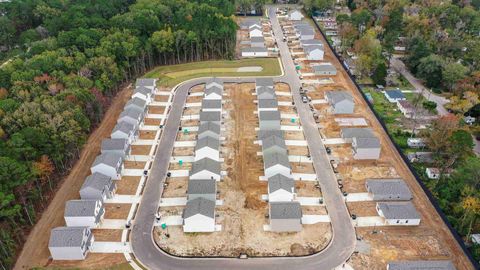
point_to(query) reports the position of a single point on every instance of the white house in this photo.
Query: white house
(295, 15)
(285, 216)
(124, 130)
(205, 168)
(276, 163)
(314, 52)
(97, 187)
(254, 52)
(434, 173)
(207, 147)
(366, 148)
(70, 243)
(87, 213)
(131, 116)
(281, 188)
(398, 213)
(416, 142)
(406, 108)
(143, 93)
(394, 95)
(255, 31)
(199, 216)
(341, 101)
(108, 164)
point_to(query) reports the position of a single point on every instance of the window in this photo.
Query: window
(398, 221)
(406, 221)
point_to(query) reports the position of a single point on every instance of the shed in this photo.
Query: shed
(421, 265)
(435, 173)
(254, 52)
(416, 142)
(116, 146)
(285, 216)
(205, 168)
(366, 148)
(267, 105)
(394, 95)
(108, 164)
(324, 69)
(87, 213)
(212, 105)
(70, 243)
(398, 213)
(137, 104)
(97, 186)
(281, 188)
(263, 82)
(131, 116)
(269, 120)
(143, 93)
(273, 144)
(276, 163)
(124, 130)
(295, 15)
(209, 129)
(207, 147)
(199, 216)
(388, 189)
(341, 101)
(202, 188)
(257, 42)
(215, 117)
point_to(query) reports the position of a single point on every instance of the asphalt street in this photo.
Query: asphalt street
(336, 253)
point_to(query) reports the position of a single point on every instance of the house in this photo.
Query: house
(324, 69)
(310, 42)
(207, 147)
(267, 105)
(269, 119)
(247, 23)
(214, 82)
(388, 189)
(148, 83)
(349, 133)
(263, 82)
(255, 52)
(124, 130)
(143, 93)
(264, 92)
(435, 173)
(406, 108)
(206, 188)
(212, 105)
(416, 142)
(394, 95)
(398, 213)
(70, 243)
(131, 116)
(137, 104)
(366, 148)
(97, 187)
(116, 146)
(281, 188)
(285, 216)
(87, 213)
(314, 52)
(108, 164)
(421, 157)
(273, 144)
(205, 168)
(295, 15)
(257, 42)
(263, 134)
(276, 163)
(421, 265)
(475, 238)
(209, 129)
(341, 101)
(213, 91)
(199, 216)
(215, 117)
(255, 31)
(305, 33)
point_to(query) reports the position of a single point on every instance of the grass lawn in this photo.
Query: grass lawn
(174, 74)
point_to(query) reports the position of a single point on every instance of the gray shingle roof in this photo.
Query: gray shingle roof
(269, 115)
(394, 94)
(421, 265)
(262, 134)
(257, 39)
(396, 189)
(311, 48)
(367, 143)
(205, 164)
(325, 67)
(114, 144)
(398, 210)
(280, 181)
(273, 141)
(213, 89)
(264, 82)
(273, 159)
(215, 82)
(268, 103)
(109, 159)
(131, 113)
(207, 142)
(336, 96)
(210, 116)
(97, 181)
(211, 104)
(67, 236)
(253, 27)
(199, 206)
(349, 133)
(285, 210)
(311, 42)
(142, 90)
(124, 127)
(136, 102)
(80, 208)
(145, 82)
(304, 31)
(254, 49)
(209, 126)
(206, 186)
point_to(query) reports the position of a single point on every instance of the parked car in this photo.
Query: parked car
(304, 99)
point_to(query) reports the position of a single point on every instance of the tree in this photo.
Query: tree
(430, 69)
(452, 73)
(417, 49)
(7, 32)
(379, 74)
(245, 6)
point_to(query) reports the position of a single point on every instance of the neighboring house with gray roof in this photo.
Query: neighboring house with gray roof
(205, 168)
(264, 92)
(124, 130)
(209, 129)
(212, 105)
(257, 42)
(388, 189)
(247, 23)
(269, 120)
(276, 163)
(341, 101)
(137, 104)
(324, 69)
(366, 148)
(273, 144)
(202, 188)
(215, 117)
(213, 92)
(148, 83)
(295, 15)
(263, 134)
(207, 147)
(254, 52)
(70, 243)
(310, 42)
(305, 33)
(281, 188)
(97, 186)
(267, 105)
(394, 95)
(116, 146)
(255, 31)
(285, 216)
(398, 213)
(144, 93)
(199, 216)
(214, 82)
(349, 133)
(421, 265)
(87, 213)
(108, 164)
(131, 116)
(263, 82)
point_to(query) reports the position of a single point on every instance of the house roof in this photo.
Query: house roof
(145, 82)
(280, 181)
(398, 210)
(394, 94)
(114, 144)
(210, 116)
(213, 90)
(257, 39)
(272, 141)
(80, 208)
(214, 82)
(67, 236)
(205, 164)
(199, 206)
(308, 42)
(142, 90)
(109, 159)
(269, 115)
(209, 126)
(250, 21)
(421, 265)
(285, 210)
(264, 82)
(202, 186)
(309, 49)
(266, 94)
(97, 181)
(366, 142)
(137, 102)
(395, 188)
(405, 104)
(255, 49)
(262, 134)
(211, 104)
(273, 159)
(349, 133)
(131, 113)
(207, 142)
(124, 127)
(338, 96)
(294, 11)
(255, 27)
(324, 67)
(267, 103)
(304, 31)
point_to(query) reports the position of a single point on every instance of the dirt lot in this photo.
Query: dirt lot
(117, 210)
(176, 187)
(183, 151)
(156, 109)
(152, 121)
(161, 98)
(140, 149)
(243, 214)
(147, 135)
(107, 235)
(128, 185)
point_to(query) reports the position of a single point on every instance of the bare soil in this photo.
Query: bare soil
(147, 135)
(117, 210)
(156, 109)
(107, 235)
(128, 185)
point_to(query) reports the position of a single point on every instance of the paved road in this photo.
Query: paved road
(343, 242)
(399, 66)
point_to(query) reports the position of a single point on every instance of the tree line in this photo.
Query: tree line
(63, 61)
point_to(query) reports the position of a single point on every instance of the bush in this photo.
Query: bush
(429, 105)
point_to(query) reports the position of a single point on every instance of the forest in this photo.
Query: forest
(61, 63)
